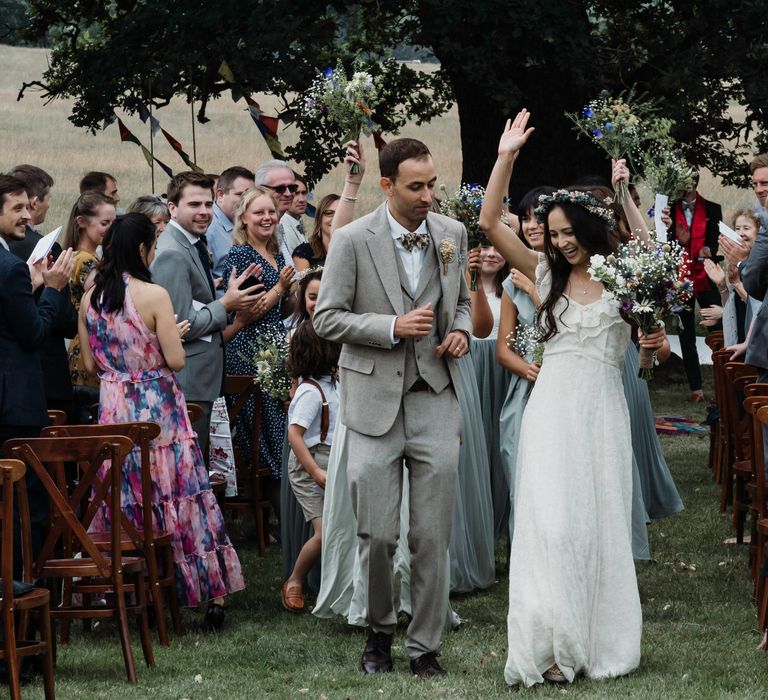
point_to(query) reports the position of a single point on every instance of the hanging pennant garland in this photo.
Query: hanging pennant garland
(127, 135)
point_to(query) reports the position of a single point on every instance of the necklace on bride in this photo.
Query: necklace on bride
(584, 284)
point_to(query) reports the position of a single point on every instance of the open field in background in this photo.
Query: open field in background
(33, 132)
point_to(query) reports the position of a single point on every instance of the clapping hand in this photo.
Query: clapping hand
(734, 252)
(183, 328)
(515, 134)
(714, 272)
(58, 275)
(354, 155)
(286, 278)
(711, 315)
(237, 299)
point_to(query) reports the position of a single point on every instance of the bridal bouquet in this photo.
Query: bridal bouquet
(649, 281)
(346, 102)
(615, 124)
(667, 172)
(270, 357)
(464, 206)
(525, 342)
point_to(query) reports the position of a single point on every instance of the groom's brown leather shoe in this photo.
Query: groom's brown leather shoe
(377, 655)
(426, 666)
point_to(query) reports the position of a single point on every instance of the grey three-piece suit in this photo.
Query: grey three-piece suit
(399, 403)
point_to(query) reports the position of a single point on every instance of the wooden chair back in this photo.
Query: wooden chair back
(715, 340)
(56, 417)
(68, 532)
(15, 646)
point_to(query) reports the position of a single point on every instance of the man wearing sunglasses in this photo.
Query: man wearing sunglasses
(278, 177)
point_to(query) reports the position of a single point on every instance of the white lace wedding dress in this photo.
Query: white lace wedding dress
(573, 598)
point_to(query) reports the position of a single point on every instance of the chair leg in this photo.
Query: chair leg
(258, 514)
(170, 570)
(125, 635)
(144, 634)
(11, 660)
(157, 596)
(49, 686)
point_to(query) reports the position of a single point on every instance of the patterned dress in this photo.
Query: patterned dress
(137, 385)
(85, 263)
(239, 352)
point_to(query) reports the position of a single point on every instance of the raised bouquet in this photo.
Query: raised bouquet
(649, 281)
(270, 358)
(615, 124)
(348, 103)
(667, 172)
(464, 206)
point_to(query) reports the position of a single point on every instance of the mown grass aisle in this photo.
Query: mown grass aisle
(699, 641)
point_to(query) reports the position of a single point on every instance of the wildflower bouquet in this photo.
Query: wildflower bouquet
(615, 124)
(649, 281)
(270, 358)
(346, 102)
(464, 206)
(667, 172)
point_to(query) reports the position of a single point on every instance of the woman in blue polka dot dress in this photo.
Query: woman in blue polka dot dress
(254, 240)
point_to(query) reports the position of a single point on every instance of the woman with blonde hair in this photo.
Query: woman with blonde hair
(254, 240)
(88, 223)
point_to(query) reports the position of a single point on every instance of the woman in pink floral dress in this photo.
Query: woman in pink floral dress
(129, 335)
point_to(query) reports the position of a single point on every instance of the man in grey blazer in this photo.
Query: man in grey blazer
(394, 294)
(183, 267)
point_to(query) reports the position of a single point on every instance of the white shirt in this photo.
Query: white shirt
(307, 406)
(4, 243)
(190, 237)
(413, 260)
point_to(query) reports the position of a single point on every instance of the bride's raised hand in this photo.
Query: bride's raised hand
(516, 133)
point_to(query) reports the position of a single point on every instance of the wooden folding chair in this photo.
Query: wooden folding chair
(721, 441)
(250, 474)
(738, 426)
(716, 342)
(94, 572)
(56, 417)
(15, 645)
(761, 519)
(152, 543)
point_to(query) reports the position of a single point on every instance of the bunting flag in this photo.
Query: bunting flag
(176, 146)
(127, 135)
(267, 125)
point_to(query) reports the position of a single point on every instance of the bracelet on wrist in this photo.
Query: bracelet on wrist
(353, 200)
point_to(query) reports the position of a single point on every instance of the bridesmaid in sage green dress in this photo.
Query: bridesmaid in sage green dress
(493, 382)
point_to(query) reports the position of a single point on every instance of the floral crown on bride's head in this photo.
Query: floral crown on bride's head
(586, 200)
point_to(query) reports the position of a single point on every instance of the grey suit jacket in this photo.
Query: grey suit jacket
(177, 267)
(754, 276)
(359, 297)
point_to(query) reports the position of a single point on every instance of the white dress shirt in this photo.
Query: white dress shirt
(413, 260)
(189, 236)
(4, 243)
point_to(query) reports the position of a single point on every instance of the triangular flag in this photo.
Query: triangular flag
(226, 72)
(176, 146)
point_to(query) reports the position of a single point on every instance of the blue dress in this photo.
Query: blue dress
(239, 354)
(493, 382)
(471, 550)
(658, 488)
(511, 414)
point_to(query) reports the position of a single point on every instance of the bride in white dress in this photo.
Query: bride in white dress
(574, 605)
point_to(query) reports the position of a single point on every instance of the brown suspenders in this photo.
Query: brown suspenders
(325, 415)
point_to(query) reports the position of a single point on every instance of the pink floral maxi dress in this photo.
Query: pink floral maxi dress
(137, 385)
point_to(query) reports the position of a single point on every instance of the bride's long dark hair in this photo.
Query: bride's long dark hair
(593, 235)
(121, 253)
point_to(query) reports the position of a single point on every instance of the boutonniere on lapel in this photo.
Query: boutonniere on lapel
(447, 250)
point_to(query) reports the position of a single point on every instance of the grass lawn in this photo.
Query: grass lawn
(699, 640)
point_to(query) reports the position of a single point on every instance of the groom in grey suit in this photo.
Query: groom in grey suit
(394, 293)
(183, 267)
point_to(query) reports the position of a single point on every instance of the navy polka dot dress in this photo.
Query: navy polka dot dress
(239, 350)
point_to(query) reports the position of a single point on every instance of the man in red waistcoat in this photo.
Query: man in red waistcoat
(694, 225)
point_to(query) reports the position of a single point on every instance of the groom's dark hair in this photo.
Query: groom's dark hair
(395, 152)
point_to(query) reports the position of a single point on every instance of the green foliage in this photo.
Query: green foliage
(702, 61)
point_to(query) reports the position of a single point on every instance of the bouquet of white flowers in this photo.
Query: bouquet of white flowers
(348, 103)
(464, 206)
(649, 281)
(270, 357)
